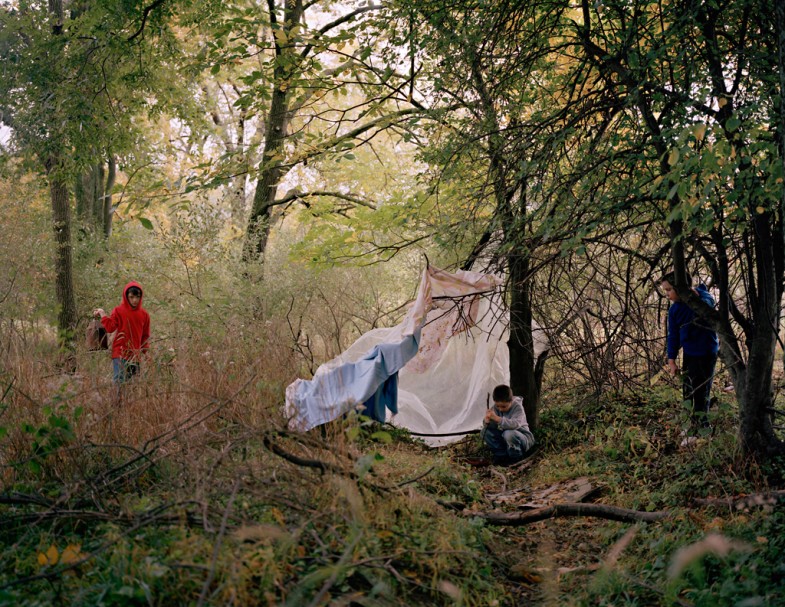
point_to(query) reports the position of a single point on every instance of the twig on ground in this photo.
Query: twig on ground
(217, 546)
(412, 480)
(599, 510)
(301, 461)
(742, 502)
(347, 554)
(495, 472)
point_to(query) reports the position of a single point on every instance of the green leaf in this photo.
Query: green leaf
(382, 437)
(733, 123)
(146, 223)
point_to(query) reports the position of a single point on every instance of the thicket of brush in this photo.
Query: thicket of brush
(191, 491)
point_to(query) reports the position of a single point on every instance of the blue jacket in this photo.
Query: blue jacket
(686, 331)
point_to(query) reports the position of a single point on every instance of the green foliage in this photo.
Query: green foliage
(53, 435)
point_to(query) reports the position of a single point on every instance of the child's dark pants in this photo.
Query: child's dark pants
(696, 387)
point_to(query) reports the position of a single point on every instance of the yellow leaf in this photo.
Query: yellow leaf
(523, 572)
(673, 157)
(49, 557)
(762, 540)
(280, 37)
(278, 516)
(699, 130)
(656, 377)
(71, 554)
(760, 210)
(722, 102)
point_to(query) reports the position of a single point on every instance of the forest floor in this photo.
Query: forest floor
(198, 495)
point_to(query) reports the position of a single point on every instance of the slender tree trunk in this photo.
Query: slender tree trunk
(756, 432)
(237, 183)
(61, 223)
(82, 203)
(98, 194)
(267, 186)
(277, 125)
(108, 210)
(779, 20)
(523, 377)
(521, 344)
(64, 284)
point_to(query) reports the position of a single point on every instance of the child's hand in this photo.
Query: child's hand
(673, 368)
(490, 416)
(99, 313)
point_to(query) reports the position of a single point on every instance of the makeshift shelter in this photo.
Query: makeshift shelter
(433, 373)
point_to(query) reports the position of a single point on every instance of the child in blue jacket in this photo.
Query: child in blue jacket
(699, 345)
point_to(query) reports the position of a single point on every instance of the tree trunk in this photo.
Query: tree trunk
(756, 432)
(82, 203)
(61, 223)
(523, 376)
(272, 168)
(64, 284)
(88, 191)
(97, 173)
(779, 27)
(108, 211)
(237, 183)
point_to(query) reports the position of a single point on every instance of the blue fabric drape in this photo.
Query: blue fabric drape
(371, 380)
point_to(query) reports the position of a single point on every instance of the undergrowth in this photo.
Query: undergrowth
(193, 492)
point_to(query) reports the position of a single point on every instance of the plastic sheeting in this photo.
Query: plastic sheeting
(444, 384)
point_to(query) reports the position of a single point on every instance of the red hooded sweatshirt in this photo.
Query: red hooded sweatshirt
(132, 326)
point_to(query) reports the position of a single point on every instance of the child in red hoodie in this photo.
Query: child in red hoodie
(132, 324)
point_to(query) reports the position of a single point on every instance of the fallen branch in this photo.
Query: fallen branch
(743, 502)
(301, 461)
(569, 509)
(217, 545)
(19, 499)
(413, 480)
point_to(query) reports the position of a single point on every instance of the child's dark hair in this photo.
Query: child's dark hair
(502, 394)
(134, 291)
(671, 278)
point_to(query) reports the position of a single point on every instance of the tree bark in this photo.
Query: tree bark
(64, 284)
(97, 174)
(613, 513)
(108, 211)
(521, 344)
(277, 125)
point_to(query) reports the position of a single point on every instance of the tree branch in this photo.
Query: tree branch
(293, 195)
(613, 513)
(147, 10)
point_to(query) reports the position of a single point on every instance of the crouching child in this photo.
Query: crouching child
(505, 429)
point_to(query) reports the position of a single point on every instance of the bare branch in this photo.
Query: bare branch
(147, 10)
(613, 513)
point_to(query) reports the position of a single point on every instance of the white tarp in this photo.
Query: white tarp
(461, 350)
